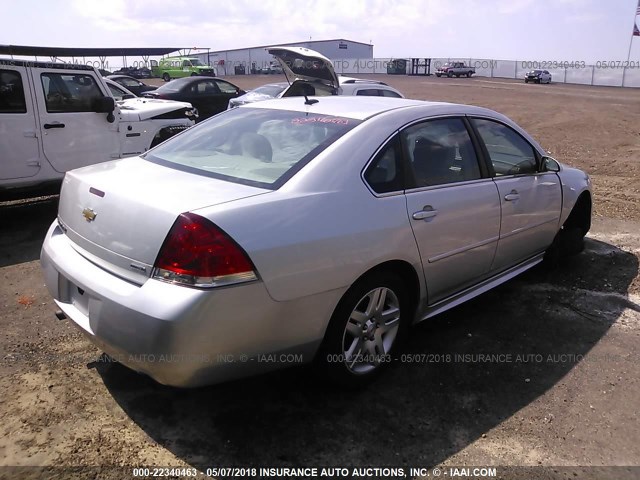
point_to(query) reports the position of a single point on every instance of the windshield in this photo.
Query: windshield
(271, 90)
(196, 63)
(253, 146)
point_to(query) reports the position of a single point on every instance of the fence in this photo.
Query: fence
(614, 74)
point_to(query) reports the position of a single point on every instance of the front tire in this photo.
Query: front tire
(365, 329)
(450, 74)
(166, 77)
(469, 74)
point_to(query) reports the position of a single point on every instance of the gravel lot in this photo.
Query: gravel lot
(565, 393)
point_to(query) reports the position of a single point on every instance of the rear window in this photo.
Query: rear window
(258, 147)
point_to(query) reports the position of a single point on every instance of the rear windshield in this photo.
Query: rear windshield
(252, 146)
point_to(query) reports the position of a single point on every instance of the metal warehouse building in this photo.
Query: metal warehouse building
(248, 60)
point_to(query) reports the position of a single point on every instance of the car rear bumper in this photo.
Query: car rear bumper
(177, 335)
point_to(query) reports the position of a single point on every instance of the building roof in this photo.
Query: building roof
(306, 42)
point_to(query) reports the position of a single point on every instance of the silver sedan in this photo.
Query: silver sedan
(304, 229)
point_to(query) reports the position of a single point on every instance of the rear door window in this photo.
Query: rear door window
(390, 93)
(440, 152)
(369, 92)
(226, 87)
(12, 98)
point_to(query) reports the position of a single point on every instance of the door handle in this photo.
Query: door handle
(425, 214)
(512, 196)
(47, 126)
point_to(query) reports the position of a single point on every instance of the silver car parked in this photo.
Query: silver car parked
(298, 229)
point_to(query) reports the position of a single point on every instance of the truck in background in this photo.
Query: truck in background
(458, 69)
(178, 67)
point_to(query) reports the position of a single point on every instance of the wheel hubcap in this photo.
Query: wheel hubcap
(371, 330)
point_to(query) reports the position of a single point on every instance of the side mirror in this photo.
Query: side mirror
(550, 164)
(127, 96)
(104, 105)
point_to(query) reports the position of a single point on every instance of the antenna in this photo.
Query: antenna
(310, 102)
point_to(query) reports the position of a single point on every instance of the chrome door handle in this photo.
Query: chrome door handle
(424, 214)
(510, 197)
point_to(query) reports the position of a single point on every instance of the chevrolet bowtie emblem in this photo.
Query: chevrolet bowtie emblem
(89, 215)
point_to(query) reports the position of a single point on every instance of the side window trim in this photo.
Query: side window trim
(485, 152)
(393, 138)
(481, 148)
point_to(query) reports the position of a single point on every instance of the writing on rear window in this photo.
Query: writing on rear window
(334, 120)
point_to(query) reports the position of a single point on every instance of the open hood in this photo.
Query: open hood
(145, 108)
(299, 63)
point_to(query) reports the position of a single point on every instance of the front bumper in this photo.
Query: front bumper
(177, 335)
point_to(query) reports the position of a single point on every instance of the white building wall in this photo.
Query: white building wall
(227, 61)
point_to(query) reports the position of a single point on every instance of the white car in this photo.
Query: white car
(348, 86)
(312, 74)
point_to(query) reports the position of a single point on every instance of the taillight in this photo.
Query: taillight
(199, 254)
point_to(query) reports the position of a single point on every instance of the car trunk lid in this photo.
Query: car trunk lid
(117, 214)
(299, 63)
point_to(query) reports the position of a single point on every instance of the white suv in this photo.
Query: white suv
(55, 117)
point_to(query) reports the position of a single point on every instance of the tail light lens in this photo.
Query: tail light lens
(199, 254)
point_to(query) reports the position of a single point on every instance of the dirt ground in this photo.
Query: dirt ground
(564, 394)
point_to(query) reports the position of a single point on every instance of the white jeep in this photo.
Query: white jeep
(55, 117)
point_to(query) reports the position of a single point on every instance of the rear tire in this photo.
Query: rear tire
(365, 330)
(166, 77)
(450, 74)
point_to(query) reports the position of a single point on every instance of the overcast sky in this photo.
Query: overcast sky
(544, 30)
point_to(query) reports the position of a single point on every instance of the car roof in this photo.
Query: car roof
(363, 107)
(359, 81)
(121, 76)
